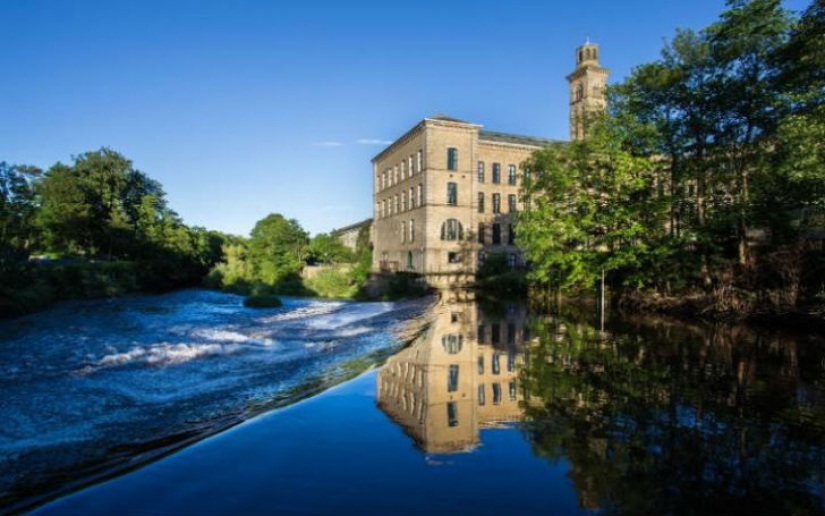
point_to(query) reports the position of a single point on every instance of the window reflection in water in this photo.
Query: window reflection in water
(451, 381)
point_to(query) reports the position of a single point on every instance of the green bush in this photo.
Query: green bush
(332, 283)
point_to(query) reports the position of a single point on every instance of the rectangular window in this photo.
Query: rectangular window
(496, 234)
(496, 393)
(481, 394)
(496, 365)
(404, 201)
(511, 261)
(481, 202)
(511, 175)
(396, 174)
(511, 203)
(452, 158)
(512, 386)
(452, 413)
(496, 334)
(420, 194)
(690, 190)
(452, 194)
(480, 171)
(511, 362)
(412, 230)
(411, 164)
(403, 170)
(453, 258)
(383, 179)
(412, 197)
(481, 235)
(420, 160)
(496, 173)
(481, 336)
(481, 364)
(403, 231)
(452, 379)
(511, 235)
(397, 206)
(496, 203)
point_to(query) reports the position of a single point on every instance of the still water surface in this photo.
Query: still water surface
(496, 410)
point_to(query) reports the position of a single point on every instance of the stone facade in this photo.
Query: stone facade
(446, 192)
(348, 235)
(588, 84)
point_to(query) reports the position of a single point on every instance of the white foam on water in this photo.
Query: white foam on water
(353, 332)
(221, 336)
(313, 309)
(161, 355)
(349, 315)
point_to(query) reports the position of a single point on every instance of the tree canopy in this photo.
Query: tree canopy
(705, 171)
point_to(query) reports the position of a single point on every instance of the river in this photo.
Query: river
(492, 409)
(92, 387)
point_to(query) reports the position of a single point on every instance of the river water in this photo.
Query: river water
(92, 386)
(493, 409)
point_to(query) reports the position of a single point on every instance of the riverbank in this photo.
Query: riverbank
(730, 308)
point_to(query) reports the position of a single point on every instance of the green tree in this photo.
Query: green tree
(590, 207)
(17, 210)
(327, 248)
(277, 249)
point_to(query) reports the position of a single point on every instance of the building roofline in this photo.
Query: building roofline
(439, 119)
(352, 226)
(515, 139)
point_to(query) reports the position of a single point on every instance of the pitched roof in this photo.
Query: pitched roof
(445, 118)
(533, 141)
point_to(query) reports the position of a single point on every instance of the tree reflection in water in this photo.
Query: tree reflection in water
(652, 416)
(658, 417)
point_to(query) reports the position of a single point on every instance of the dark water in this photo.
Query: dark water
(93, 386)
(496, 410)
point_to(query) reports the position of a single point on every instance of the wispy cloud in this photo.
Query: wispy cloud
(328, 144)
(373, 141)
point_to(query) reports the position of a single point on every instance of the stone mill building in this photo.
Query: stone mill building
(446, 192)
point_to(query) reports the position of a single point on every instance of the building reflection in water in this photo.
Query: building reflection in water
(459, 377)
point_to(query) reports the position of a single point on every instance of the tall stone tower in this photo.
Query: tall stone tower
(588, 84)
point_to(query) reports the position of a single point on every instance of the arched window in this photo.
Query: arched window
(587, 53)
(452, 230)
(452, 343)
(580, 91)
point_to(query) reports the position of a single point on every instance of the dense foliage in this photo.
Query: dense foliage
(94, 227)
(273, 262)
(706, 172)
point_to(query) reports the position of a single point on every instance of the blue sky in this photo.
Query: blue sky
(244, 108)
